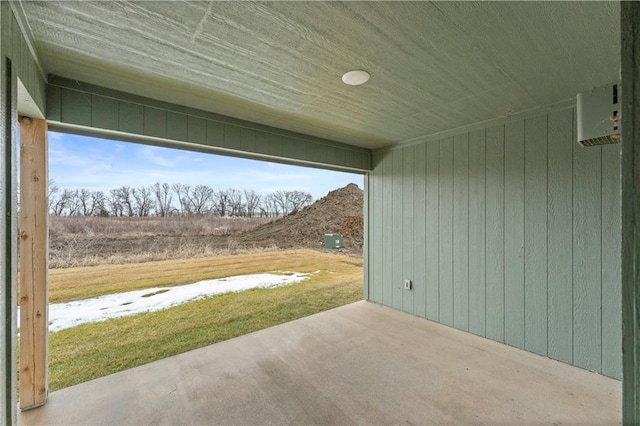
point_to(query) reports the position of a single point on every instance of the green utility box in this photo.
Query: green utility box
(333, 241)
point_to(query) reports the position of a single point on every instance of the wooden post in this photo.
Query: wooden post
(630, 61)
(33, 263)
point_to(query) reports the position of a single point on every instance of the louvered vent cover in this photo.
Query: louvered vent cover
(599, 116)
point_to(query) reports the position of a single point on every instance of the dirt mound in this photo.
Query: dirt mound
(339, 212)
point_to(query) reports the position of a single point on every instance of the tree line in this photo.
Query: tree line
(163, 199)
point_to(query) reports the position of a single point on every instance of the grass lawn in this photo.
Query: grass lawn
(94, 350)
(90, 281)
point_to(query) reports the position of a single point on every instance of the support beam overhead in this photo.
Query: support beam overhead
(90, 110)
(34, 248)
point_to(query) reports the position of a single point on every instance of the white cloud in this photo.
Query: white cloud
(154, 156)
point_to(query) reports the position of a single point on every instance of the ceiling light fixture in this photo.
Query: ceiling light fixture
(355, 78)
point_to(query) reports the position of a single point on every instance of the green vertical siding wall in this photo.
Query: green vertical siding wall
(16, 61)
(510, 232)
(23, 63)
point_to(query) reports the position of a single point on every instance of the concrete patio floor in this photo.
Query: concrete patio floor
(361, 363)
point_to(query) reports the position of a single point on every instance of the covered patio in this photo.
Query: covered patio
(501, 271)
(358, 364)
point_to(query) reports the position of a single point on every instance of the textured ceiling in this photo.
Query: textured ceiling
(434, 66)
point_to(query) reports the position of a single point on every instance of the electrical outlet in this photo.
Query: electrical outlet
(408, 285)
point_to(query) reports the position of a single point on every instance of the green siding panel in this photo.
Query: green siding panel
(276, 147)
(196, 130)
(215, 133)
(587, 269)
(495, 233)
(461, 232)
(535, 235)
(332, 155)
(514, 234)
(611, 263)
(17, 47)
(289, 149)
(408, 231)
(477, 234)
(314, 151)
(104, 112)
(433, 230)
(262, 145)
(446, 231)
(76, 108)
(387, 231)
(419, 228)
(23, 66)
(232, 137)
(364, 159)
(397, 234)
(177, 126)
(341, 157)
(376, 205)
(6, 31)
(373, 248)
(54, 103)
(301, 153)
(560, 234)
(154, 122)
(131, 118)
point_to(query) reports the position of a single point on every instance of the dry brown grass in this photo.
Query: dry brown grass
(153, 225)
(84, 282)
(90, 241)
(79, 253)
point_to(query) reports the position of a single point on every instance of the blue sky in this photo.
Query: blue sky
(98, 164)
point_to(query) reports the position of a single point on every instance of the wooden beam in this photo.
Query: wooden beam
(33, 263)
(630, 61)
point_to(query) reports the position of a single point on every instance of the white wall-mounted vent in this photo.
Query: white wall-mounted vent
(599, 116)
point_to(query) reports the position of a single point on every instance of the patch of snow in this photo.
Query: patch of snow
(71, 314)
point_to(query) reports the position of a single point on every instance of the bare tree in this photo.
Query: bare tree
(142, 200)
(221, 202)
(269, 205)
(64, 204)
(73, 206)
(84, 202)
(126, 199)
(53, 196)
(235, 202)
(98, 204)
(297, 200)
(201, 199)
(252, 201)
(182, 192)
(279, 200)
(164, 197)
(115, 203)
